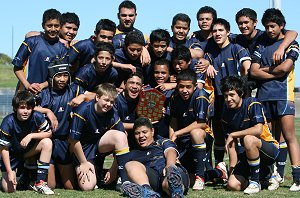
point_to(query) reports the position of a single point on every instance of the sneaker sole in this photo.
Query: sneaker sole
(132, 190)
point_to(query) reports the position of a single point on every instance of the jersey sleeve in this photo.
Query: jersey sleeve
(78, 121)
(41, 122)
(256, 57)
(23, 52)
(293, 51)
(242, 54)
(255, 112)
(5, 132)
(201, 106)
(82, 78)
(117, 123)
(167, 144)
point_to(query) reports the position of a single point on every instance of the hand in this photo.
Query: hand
(211, 71)
(202, 65)
(169, 49)
(53, 120)
(228, 143)
(110, 176)
(129, 67)
(12, 177)
(173, 79)
(76, 101)
(84, 170)
(34, 88)
(173, 137)
(25, 141)
(165, 86)
(145, 57)
(278, 55)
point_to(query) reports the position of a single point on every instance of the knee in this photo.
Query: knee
(197, 135)
(233, 185)
(133, 166)
(250, 141)
(46, 143)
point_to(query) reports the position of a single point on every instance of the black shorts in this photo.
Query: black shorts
(60, 152)
(274, 109)
(268, 154)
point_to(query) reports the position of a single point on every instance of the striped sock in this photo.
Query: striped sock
(42, 171)
(199, 155)
(254, 169)
(122, 156)
(281, 160)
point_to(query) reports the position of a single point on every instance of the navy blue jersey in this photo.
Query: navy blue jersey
(250, 45)
(89, 79)
(13, 131)
(34, 57)
(191, 110)
(88, 127)
(126, 109)
(57, 101)
(119, 38)
(153, 156)
(203, 41)
(227, 61)
(280, 88)
(82, 51)
(191, 43)
(249, 114)
(121, 57)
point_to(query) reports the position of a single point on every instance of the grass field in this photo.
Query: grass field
(7, 77)
(210, 191)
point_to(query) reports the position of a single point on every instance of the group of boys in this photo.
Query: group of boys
(76, 102)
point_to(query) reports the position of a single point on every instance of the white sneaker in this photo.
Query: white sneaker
(199, 184)
(222, 167)
(253, 188)
(295, 187)
(42, 188)
(273, 183)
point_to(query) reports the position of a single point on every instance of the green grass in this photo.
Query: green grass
(7, 77)
(210, 191)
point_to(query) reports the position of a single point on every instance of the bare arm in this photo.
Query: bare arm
(76, 148)
(258, 73)
(281, 69)
(50, 115)
(171, 157)
(256, 130)
(245, 67)
(127, 67)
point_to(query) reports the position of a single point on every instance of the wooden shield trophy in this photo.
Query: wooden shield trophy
(150, 104)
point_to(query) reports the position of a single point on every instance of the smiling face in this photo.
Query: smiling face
(127, 18)
(103, 61)
(205, 21)
(52, 28)
(68, 31)
(232, 99)
(104, 103)
(274, 31)
(104, 36)
(220, 35)
(60, 80)
(144, 136)
(185, 89)
(180, 30)
(23, 112)
(133, 87)
(246, 25)
(161, 73)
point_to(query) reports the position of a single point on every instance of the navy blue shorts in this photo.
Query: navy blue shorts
(60, 152)
(268, 154)
(90, 151)
(15, 162)
(274, 109)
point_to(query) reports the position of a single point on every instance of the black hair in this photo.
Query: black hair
(127, 4)
(23, 97)
(235, 82)
(134, 37)
(181, 53)
(103, 46)
(162, 61)
(51, 14)
(69, 17)
(181, 17)
(247, 12)
(105, 24)
(207, 9)
(273, 15)
(186, 75)
(142, 121)
(138, 73)
(160, 35)
(223, 22)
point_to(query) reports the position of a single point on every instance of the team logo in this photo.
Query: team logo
(61, 109)
(150, 105)
(47, 59)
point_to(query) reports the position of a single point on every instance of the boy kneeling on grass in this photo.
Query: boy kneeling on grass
(23, 134)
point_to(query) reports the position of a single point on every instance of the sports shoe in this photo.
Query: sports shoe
(42, 188)
(134, 190)
(295, 187)
(174, 181)
(199, 184)
(253, 188)
(273, 183)
(222, 167)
